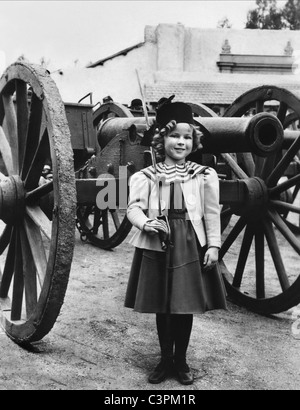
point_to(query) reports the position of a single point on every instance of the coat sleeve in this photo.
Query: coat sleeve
(138, 204)
(212, 209)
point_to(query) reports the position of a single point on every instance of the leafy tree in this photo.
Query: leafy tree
(291, 14)
(266, 16)
(224, 23)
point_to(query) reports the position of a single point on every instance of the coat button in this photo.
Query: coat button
(191, 199)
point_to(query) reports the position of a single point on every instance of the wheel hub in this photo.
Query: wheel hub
(12, 200)
(257, 197)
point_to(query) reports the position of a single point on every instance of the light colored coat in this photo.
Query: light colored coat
(201, 196)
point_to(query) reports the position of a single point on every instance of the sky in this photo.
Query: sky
(66, 33)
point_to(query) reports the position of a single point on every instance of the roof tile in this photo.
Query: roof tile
(198, 92)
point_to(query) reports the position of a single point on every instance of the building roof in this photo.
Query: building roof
(216, 91)
(118, 54)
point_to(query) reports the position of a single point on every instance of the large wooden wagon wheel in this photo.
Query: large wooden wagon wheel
(35, 253)
(286, 106)
(260, 252)
(107, 228)
(292, 122)
(201, 110)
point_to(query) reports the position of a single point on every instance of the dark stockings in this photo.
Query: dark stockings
(174, 330)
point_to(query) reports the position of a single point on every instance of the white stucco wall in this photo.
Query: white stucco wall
(170, 52)
(204, 46)
(117, 77)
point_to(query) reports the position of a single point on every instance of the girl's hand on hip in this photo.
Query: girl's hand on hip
(211, 257)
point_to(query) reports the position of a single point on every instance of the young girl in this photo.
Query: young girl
(179, 281)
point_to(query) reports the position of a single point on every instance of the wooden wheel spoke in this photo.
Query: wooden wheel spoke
(278, 171)
(5, 238)
(260, 262)
(11, 129)
(37, 165)
(259, 164)
(285, 230)
(249, 163)
(2, 111)
(86, 212)
(38, 193)
(226, 214)
(281, 206)
(35, 242)
(243, 256)
(96, 218)
(234, 233)
(284, 186)
(9, 265)
(276, 254)
(30, 280)
(105, 224)
(296, 191)
(33, 133)
(281, 114)
(268, 165)
(236, 169)
(6, 153)
(22, 118)
(115, 217)
(40, 219)
(259, 106)
(18, 286)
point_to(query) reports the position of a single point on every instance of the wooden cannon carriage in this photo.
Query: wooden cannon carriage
(256, 158)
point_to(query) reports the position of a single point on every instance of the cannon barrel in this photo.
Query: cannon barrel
(260, 134)
(114, 126)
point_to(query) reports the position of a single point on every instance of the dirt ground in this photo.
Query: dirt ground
(97, 344)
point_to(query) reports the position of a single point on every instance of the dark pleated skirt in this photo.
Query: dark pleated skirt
(174, 282)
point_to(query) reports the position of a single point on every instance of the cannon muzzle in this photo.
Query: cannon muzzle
(261, 134)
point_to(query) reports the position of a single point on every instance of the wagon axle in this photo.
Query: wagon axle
(12, 200)
(256, 199)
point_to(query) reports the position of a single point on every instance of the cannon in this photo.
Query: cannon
(255, 157)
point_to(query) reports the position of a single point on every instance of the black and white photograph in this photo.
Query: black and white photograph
(150, 198)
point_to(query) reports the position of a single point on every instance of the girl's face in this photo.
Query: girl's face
(179, 143)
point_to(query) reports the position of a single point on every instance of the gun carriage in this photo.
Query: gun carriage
(256, 158)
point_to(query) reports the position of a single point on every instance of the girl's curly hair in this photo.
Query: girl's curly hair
(158, 143)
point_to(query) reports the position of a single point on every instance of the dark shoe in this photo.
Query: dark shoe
(161, 372)
(184, 373)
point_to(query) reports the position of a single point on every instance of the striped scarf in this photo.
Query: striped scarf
(174, 173)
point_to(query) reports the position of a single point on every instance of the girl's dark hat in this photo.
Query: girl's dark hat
(178, 111)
